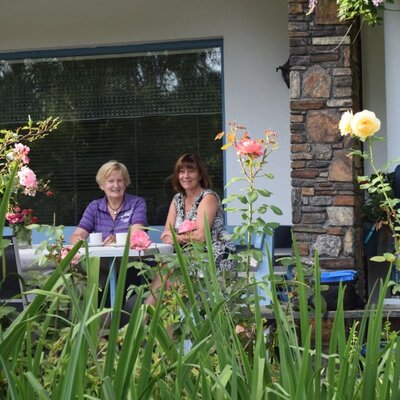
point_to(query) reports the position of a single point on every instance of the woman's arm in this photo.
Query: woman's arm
(209, 207)
(78, 234)
(166, 236)
(137, 227)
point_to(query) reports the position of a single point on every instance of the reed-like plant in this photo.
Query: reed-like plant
(143, 361)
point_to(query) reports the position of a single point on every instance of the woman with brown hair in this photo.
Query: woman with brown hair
(194, 200)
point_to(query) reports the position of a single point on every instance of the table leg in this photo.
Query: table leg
(113, 282)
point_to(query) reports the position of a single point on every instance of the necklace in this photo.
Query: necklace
(115, 210)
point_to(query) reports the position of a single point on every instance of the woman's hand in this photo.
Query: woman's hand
(109, 240)
(79, 234)
(166, 238)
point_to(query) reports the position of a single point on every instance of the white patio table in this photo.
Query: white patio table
(29, 258)
(113, 252)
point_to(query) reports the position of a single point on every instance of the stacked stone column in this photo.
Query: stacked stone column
(324, 82)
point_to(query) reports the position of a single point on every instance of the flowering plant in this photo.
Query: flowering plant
(16, 175)
(139, 240)
(19, 221)
(14, 155)
(368, 10)
(20, 218)
(252, 156)
(64, 252)
(363, 126)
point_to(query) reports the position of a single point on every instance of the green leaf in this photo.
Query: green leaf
(378, 259)
(243, 199)
(376, 180)
(231, 209)
(262, 209)
(357, 153)
(264, 192)
(233, 180)
(276, 210)
(253, 196)
(389, 257)
(230, 198)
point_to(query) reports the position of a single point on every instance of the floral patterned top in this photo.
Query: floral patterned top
(222, 247)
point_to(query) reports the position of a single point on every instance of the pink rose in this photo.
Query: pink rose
(27, 178)
(64, 253)
(249, 147)
(187, 226)
(21, 152)
(139, 240)
(12, 218)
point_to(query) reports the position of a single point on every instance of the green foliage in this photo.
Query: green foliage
(375, 202)
(365, 9)
(43, 354)
(381, 201)
(368, 11)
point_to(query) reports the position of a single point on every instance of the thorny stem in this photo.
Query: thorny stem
(251, 212)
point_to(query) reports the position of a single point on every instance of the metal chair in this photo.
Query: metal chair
(264, 243)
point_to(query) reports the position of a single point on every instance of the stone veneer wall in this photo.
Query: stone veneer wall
(324, 82)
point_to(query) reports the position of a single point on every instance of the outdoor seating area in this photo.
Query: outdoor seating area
(276, 247)
(27, 258)
(200, 202)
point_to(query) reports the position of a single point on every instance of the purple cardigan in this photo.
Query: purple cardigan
(96, 217)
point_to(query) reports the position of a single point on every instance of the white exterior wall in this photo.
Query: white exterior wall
(392, 72)
(381, 83)
(255, 36)
(374, 90)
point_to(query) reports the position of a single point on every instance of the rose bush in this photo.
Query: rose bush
(14, 157)
(252, 155)
(363, 126)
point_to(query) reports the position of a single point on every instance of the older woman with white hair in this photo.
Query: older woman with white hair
(114, 212)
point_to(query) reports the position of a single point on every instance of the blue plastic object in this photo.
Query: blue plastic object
(343, 275)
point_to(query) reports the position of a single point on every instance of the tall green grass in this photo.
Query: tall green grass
(49, 355)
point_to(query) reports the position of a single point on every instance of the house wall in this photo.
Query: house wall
(392, 62)
(255, 39)
(374, 86)
(381, 82)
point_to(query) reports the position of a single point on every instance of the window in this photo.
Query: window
(144, 109)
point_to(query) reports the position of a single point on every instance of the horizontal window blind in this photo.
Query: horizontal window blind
(143, 110)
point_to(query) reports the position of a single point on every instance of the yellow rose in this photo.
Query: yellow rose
(344, 124)
(364, 124)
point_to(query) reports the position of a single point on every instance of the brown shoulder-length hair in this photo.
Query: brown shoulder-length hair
(190, 160)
